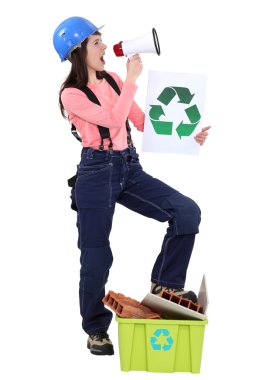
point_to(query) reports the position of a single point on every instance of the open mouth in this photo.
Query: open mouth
(102, 59)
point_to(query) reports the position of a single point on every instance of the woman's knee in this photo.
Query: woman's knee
(186, 216)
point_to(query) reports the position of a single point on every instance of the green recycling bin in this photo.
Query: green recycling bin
(160, 345)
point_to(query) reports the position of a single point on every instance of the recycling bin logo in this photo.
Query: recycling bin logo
(166, 127)
(161, 340)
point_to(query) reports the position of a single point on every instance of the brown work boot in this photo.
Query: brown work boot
(187, 294)
(100, 344)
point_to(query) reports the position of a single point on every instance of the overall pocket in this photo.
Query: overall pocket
(93, 186)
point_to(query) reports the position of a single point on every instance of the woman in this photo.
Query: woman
(110, 172)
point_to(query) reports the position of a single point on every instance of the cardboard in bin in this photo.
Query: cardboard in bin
(172, 310)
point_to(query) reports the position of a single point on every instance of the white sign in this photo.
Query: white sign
(174, 109)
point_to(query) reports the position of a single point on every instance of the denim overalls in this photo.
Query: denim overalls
(105, 178)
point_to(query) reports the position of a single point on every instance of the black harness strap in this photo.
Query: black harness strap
(74, 132)
(104, 132)
(115, 86)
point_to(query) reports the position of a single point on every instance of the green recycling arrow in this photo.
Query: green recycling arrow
(194, 117)
(165, 127)
(156, 112)
(160, 127)
(168, 94)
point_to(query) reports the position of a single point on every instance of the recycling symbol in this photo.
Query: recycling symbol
(166, 127)
(161, 340)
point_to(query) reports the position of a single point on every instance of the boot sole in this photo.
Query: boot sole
(107, 350)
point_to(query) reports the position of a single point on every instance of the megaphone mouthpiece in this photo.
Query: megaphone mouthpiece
(118, 49)
(145, 44)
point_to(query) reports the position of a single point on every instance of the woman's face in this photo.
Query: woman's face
(95, 53)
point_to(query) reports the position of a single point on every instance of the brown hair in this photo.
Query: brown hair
(78, 75)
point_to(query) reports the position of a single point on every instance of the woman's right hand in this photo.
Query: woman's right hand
(134, 68)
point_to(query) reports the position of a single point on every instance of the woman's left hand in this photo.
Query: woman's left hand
(201, 136)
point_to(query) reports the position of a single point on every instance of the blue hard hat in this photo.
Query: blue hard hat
(71, 33)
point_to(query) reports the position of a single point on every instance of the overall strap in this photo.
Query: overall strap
(112, 82)
(115, 86)
(104, 132)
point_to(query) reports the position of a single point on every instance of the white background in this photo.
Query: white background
(41, 335)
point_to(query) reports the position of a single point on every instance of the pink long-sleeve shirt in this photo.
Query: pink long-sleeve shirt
(112, 113)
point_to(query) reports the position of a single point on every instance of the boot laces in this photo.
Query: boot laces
(100, 336)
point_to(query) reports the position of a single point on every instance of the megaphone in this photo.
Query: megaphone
(145, 44)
